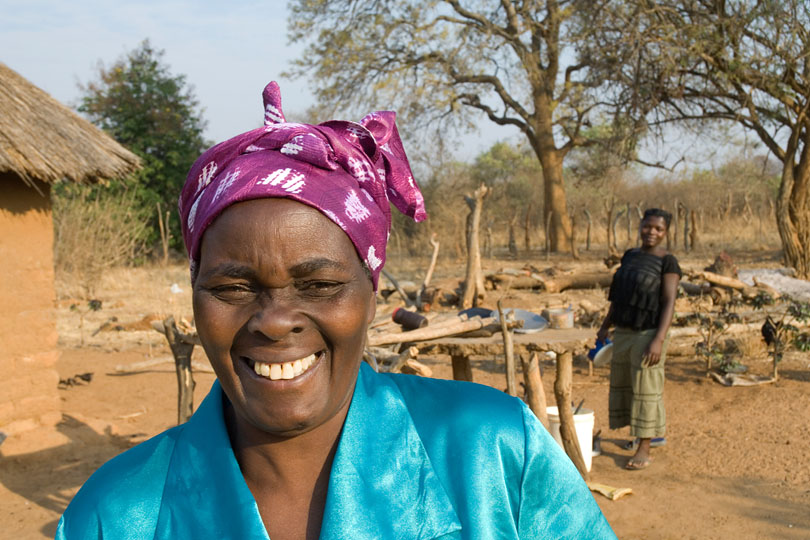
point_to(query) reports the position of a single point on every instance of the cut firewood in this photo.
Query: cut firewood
(723, 281)
(414, 367)
(584, 280)
(429, 332)
(510, 281)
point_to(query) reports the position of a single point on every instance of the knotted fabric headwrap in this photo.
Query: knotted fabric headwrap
(347, 170)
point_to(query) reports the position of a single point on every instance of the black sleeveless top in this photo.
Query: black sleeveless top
(636, 288)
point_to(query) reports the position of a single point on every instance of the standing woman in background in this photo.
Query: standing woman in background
(642, 302)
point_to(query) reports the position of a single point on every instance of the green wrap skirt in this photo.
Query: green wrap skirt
(636, 391)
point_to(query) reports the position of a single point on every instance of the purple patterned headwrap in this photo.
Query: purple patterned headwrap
(348, 171)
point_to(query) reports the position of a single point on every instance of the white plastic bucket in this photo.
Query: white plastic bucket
(583, 425)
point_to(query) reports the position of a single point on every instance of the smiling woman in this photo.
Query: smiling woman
(298, 439)
(642, 303)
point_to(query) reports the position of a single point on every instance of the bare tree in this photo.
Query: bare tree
(741, 61)
(446, 61)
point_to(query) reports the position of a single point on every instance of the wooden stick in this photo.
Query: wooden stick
(408, 354)
(509, 352)
(562, 391)
(588, 233)
(429, 332)
(182, 362)
(535, 393)
(429, 274)
(399, 290)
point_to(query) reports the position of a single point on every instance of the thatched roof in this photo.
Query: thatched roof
(41, 139)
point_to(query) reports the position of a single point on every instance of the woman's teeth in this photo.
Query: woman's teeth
(287, 370)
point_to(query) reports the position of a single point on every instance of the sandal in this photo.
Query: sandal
(654, 443)
(636, 464)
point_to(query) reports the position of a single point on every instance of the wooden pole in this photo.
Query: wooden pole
(182, 362)
(462, 370)
(588, 233)
(574, 252)
(429, 274)
(562, 391)
(474, 277)
(509, 353)
(526, 227)
(535, 393)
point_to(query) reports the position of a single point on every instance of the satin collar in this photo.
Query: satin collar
(382, 483)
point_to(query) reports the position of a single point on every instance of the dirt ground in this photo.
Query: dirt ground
(735, 464)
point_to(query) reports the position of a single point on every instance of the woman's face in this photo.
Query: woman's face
(653, 231)
(281, 291)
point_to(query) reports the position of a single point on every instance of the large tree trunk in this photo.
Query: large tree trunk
(793, 214)
(553, 188)
(556, 204)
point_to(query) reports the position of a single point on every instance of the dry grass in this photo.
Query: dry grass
(129, 295)
(93, 233)
(749, 347)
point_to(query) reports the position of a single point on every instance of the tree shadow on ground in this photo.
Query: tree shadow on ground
(49, 477)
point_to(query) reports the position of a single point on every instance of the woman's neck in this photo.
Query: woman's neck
(288, 476)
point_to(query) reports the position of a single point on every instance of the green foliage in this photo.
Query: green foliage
(155, 114)
(513, 173)
(802, 341)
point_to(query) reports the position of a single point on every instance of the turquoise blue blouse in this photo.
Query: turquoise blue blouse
(417, 459)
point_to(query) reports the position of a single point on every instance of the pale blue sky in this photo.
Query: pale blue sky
(227, 52)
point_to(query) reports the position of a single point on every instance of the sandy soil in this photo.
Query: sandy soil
(735, 465)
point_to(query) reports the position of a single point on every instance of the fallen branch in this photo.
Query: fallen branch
(588, 280)
(429, 332)
(734, 379)
(399, 289)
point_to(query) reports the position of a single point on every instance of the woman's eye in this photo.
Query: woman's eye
(319, 288)
(233, 292)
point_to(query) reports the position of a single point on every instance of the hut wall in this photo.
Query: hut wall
(28, 340)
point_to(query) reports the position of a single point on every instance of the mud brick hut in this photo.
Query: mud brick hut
(41, 142)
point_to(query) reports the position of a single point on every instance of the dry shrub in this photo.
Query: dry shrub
(748, 347)
(94, 230)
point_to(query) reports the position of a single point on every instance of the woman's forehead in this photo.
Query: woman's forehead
(654, 219)
(276, 229)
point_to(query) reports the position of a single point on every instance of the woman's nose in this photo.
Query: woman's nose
(276, 319)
